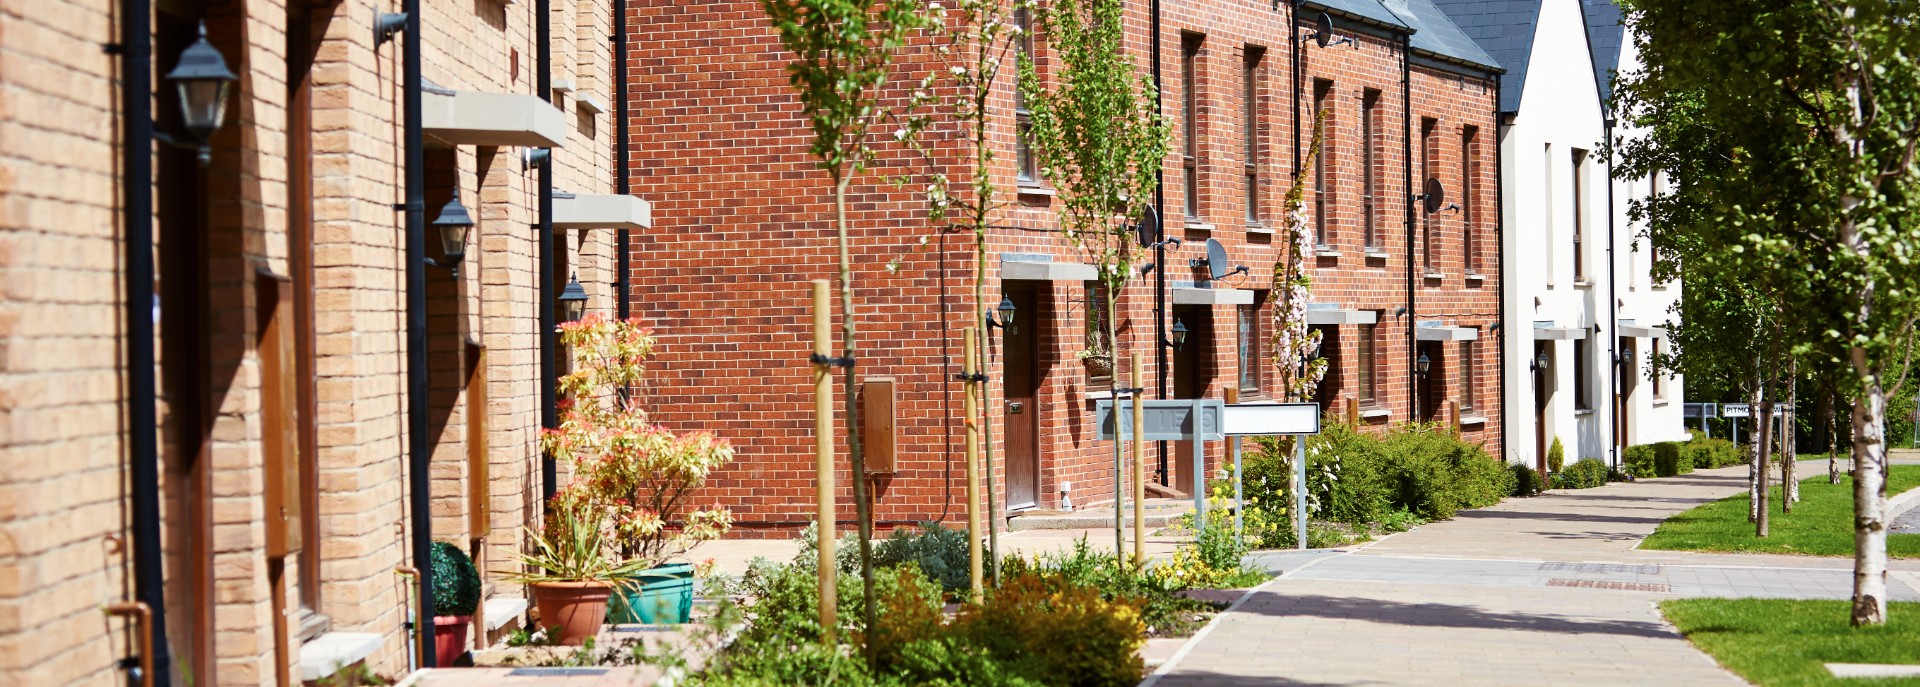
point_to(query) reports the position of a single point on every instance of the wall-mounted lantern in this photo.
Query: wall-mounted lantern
(1179, 336)
(1422, 365)
(453, 224)
(1007, 311)
(573, 301)
(203, 80)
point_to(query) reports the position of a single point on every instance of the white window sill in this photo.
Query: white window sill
(1376, 254)
(1583, 413)
(1472, 420)
(1326, 253)
(1197, 225)
(1659, 403)
(1435, 276)
(1035, 191)
(333, 651)
(1259, 229)
(1375, 414)
(1582, 284)
(1476, 278)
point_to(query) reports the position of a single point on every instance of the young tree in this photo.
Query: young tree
(1100, 142)
(844, 51)
(1296, 346)
(979, 35)
(1816, 105)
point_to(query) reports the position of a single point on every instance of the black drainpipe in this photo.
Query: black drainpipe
(1293, 41)
(1406, 160)
(1613, 321)
(419, 450)
(623, 182)
(543, 36)
(1160, 251)
(1500, 268)
(136, 212)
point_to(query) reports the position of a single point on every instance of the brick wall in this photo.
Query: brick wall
(745, 220)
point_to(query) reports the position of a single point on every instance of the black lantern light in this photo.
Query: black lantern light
(203, 80)
(453, 223)
(1540, 363)
(1007, 311)
(1421, 365)
(573, 301)
(1179, 335)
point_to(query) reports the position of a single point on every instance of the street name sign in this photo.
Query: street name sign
(1184, 419)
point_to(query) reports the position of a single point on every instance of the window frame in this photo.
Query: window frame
(1250, 119)
(1247, 346)
(1095, 298)
(1025, 162)
(1469, 367)
(1366, 362)
(1469, 171)
(1582, 384)
(1369, 162)
(1322, 167)
(1579, 210)
(1190, 123)
(1428, 148)
(1658, 376)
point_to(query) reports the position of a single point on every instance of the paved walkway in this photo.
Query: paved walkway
(1542, 590)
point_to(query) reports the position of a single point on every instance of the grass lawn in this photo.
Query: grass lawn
(1821, 524)
(1785, 642)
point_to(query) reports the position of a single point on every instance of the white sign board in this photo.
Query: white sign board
(1736, 410)
(1270, 419)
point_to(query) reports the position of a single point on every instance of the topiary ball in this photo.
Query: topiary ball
(456, 584)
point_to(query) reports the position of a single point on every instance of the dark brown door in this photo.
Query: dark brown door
(1433, 384)
(1193, 369)
(1541, 394)
(1623, 399)
(1022, 413)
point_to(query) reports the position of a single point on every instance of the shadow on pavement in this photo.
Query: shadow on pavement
(1438, 615)
(1567, 517)
(1183, 678)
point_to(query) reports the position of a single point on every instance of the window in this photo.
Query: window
(1428, 152)
(1659, 376)
(1369, 160)
(1579, 209)
(1249, 346)
(1467, 371)
(1322, 181)
(1653, 247)
(1368, 334)
(1469, 176)
(1096, 332)
(1250, 122)
(1580, 383)
(1547, 184)
(1189, 122)
(1029, 168)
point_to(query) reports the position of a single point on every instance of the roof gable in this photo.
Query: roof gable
(1437, 35)
(1604, 34)
(1504, 29)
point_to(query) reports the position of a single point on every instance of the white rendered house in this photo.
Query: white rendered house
(1649, 399)
(1577, 297)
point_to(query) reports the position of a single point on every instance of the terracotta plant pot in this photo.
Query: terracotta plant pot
(449, 638)
(573, 609)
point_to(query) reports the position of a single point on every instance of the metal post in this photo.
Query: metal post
(1198, 448)
(419, 444)
(1300, 492)
(1139, 473)
(1239, 497)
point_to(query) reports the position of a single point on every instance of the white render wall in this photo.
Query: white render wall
(1650, 418)
(1560, 111)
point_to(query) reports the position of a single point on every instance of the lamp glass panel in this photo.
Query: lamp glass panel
(203, 105)
(572, 310)
(453, 240)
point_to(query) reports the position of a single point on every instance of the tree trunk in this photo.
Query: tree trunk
(862, 509)
(1830, 419)
(986, 408)
(1754, 439)
(1869, 505)
(1789, 487)
(1762, 452)
(1113, 349)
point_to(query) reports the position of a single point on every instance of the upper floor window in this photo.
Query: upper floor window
(1250, 129)
(1469, 186)
(1322, 170)
(1029, 167)
(1189, 121)
(1579, 214)
(1369, 166)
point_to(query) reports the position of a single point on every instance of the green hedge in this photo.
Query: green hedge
(1361, 478)
(1585, 473)
(1706, 454)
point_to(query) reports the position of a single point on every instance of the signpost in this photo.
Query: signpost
(1273, 419)
(1735, 411)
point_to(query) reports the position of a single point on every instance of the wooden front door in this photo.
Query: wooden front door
(1019, 348)
(1433, 384)
(1623, 401)
(1542, 393)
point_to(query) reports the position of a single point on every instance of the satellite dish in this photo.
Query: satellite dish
(1434, 194)
(1149, 227)
(1217, 265)
(1323, 30)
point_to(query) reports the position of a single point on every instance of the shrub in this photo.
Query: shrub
(1706, 454)
(1067, 633)
(1639, 461)
(1585, 473)
(1434, 473)
(456, 584)
(939, 553)
(1154, 593)
(1666, 460)
(1556, 456)
(1526, 480)
(1359, 479)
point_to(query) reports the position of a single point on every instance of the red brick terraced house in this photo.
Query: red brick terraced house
(744, 220)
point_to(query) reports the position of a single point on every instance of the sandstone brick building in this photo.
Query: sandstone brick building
(745, 220)
(279, 308)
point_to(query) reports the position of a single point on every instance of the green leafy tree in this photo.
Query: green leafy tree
(843, 52)
(979, 38)
(1807, 113)
(1099, 140)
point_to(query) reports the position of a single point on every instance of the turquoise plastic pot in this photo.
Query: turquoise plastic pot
(657, 596)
